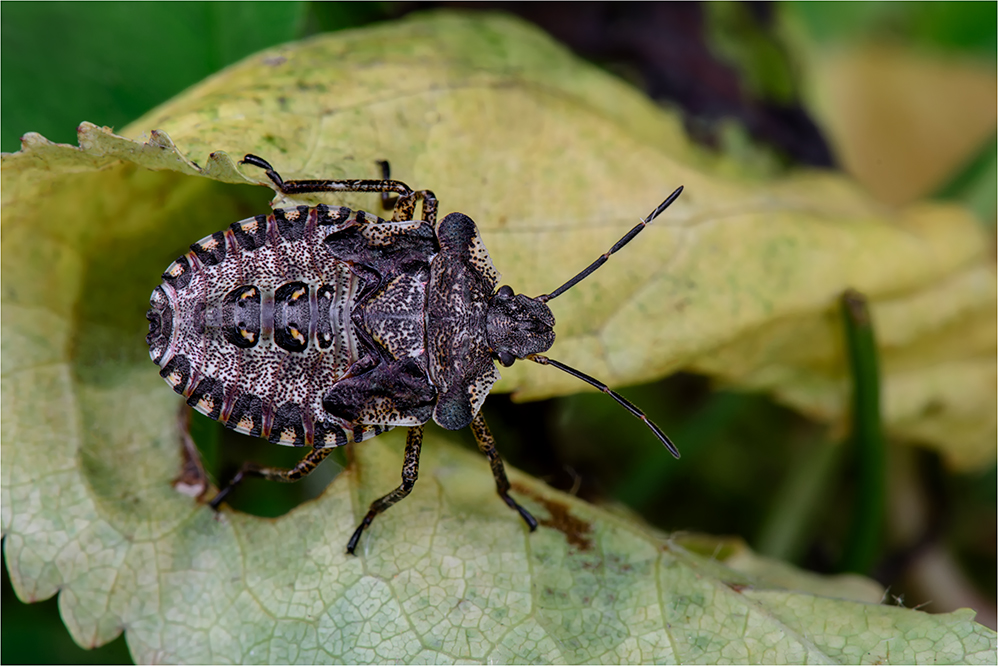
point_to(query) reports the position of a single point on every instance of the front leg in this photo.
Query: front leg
(487, 445)
(410, 472)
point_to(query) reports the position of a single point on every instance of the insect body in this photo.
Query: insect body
(319, 326)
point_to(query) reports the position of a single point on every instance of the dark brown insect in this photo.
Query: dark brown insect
(319, 326)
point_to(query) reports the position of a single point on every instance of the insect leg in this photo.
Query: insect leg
(410, 472)
(487, 445)
(193, 480)
(429, 200)
(405, 205)
(429, 206)
(387, 201)
(290, 187)
(304, 467)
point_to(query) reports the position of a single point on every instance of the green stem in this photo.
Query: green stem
(866, 529)
(803, 495)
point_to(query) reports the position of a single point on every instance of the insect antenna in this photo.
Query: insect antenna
(627, 404)
(544, 298)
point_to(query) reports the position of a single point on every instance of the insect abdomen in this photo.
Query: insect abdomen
(254, 321)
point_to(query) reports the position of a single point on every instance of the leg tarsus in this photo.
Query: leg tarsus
(527, 518)
(355, 538)
(410, 472)
(217, 500)
(248, 469)
(275, 177)
(253, 160)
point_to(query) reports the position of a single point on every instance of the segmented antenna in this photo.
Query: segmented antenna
(544, 360)
(619, 244)
(627, 404)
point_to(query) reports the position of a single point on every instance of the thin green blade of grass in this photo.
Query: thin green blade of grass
(864, 538)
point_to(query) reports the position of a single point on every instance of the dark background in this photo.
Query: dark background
(745, 459)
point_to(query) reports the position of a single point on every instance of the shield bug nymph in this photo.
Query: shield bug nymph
(316, 326)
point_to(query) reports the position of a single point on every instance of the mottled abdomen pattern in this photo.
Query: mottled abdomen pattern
(257, 323)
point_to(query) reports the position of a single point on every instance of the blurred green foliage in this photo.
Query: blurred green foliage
(110, 62)
(974, 185)
(959, 27)
(744, 457)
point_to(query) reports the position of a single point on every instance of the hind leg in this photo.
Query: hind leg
(410, 472)
(304, 467)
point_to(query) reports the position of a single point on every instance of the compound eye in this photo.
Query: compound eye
(505, 292)
(506, 359)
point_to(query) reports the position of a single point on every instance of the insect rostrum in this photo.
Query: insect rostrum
(319, 326)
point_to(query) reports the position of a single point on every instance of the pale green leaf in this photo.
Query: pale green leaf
(554, 160)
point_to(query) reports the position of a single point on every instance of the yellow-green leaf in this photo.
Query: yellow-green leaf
(554, 160)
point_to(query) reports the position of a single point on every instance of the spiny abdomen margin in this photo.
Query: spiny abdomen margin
(253, 324)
